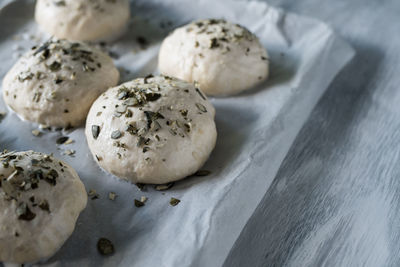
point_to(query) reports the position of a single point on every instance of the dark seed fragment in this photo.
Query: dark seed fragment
(95, 131)
(141, 186)
(201, 107)
(61, 140)
(201, 94)
(55, 66)
(152, 96)
(60, 3)
(51, 177)
(202, 173)
(58, 81)
(24, 213)
(2, 115)
(139, 203)
(44, 205)
(148, 77)
(214, 43)
(142, 41)
(105, 246)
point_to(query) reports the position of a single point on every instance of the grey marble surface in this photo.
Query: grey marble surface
(335, 201)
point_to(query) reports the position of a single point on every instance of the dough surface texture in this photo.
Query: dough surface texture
(56, 83)
(224, 58)
(152, 130)
(82, 20)
(41, 198)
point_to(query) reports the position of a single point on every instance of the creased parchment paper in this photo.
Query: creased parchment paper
(255, 131)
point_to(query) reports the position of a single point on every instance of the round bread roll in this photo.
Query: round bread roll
(224, 58)
(40, 200)
(152, 130)
(56, 83)
(83, 20)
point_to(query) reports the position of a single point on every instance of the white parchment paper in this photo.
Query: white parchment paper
(255, 131)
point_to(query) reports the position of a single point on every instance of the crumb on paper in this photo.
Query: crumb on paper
(93, 194)
(163, 187)
(140, 186)
(36, 132)
(112, 196)
(69, 141)
(139, 203)
(69, 152)
(105, 246)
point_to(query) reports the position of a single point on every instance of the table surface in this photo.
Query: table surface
(335, 200)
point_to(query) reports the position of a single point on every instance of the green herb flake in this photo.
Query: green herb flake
(24, 213)
(55, 66)
(174, 201)
(44, 205)
(60, 3)
(214, 43)
(24, 76)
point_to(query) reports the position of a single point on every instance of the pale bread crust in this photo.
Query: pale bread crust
(28, 241)
(224, 58)
(186, 135)
(82, 20)
(31, 88)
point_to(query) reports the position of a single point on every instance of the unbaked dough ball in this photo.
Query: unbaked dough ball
(56, 83)
(40, 200)
(224, 58)
(152, 130)
(84, 20)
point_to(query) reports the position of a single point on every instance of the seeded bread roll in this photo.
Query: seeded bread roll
(224, 58)
(152, 130)
(40, 200)
(82, 20)
(56, 83)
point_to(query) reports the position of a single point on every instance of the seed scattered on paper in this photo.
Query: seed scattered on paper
(139, 203)
(69, 152)
(202, 173)
(105, 246)
(36, 132)
(163, 187)
(174, 201)
(2, 115)
(93, 194)
(112, 196)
